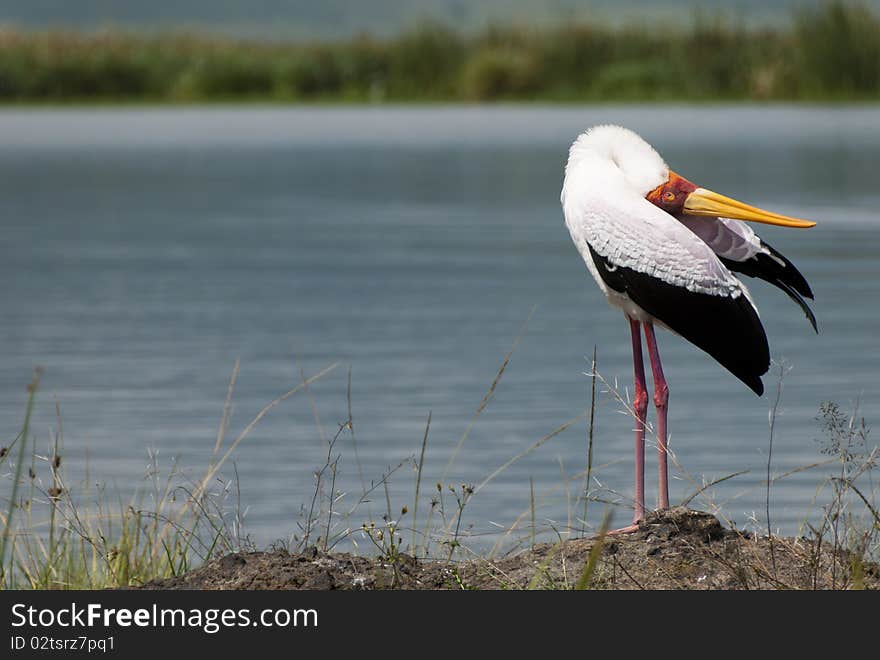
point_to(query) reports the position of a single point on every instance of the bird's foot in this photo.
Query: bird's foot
(629, 529)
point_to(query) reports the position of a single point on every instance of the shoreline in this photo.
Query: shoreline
(676, 549)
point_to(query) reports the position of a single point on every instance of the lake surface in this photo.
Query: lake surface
(144, 251)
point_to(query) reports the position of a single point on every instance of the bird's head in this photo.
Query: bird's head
(678, 196)
(672, 194)
(616, 158)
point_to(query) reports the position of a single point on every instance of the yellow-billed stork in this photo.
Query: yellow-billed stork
(664, 251)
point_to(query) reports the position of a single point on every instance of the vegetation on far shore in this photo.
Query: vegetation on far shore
(829, 53)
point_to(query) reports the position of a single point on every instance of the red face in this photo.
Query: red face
(671, 195)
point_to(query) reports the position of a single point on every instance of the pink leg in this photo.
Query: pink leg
(640, 405)
(661, 399)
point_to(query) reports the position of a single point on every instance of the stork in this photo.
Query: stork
(665, 251)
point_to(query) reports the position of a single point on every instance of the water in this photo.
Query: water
(143, 251)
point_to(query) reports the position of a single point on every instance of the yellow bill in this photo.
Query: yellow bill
(706, 202)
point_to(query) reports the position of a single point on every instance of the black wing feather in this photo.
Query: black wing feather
(794, 295)
(726, 328)
(783, 275)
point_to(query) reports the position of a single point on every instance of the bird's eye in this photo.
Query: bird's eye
(668, 196)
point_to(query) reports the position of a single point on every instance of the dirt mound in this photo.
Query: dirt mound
(675, 549)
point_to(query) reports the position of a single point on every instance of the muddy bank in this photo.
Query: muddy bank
(676, 549)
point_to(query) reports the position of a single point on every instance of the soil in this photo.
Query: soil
(675, 549)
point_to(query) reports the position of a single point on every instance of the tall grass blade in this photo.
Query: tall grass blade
(589, 571)
(19, 466)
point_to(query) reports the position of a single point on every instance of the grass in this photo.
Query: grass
(830, 52)
(58, 536)
(586, 578)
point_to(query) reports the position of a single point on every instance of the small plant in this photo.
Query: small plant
(458, 582)
(462, 495)
(850, 519)
(387, 539)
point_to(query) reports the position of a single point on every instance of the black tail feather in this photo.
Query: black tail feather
(794, 295)
(778, 271)
(792, 276)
